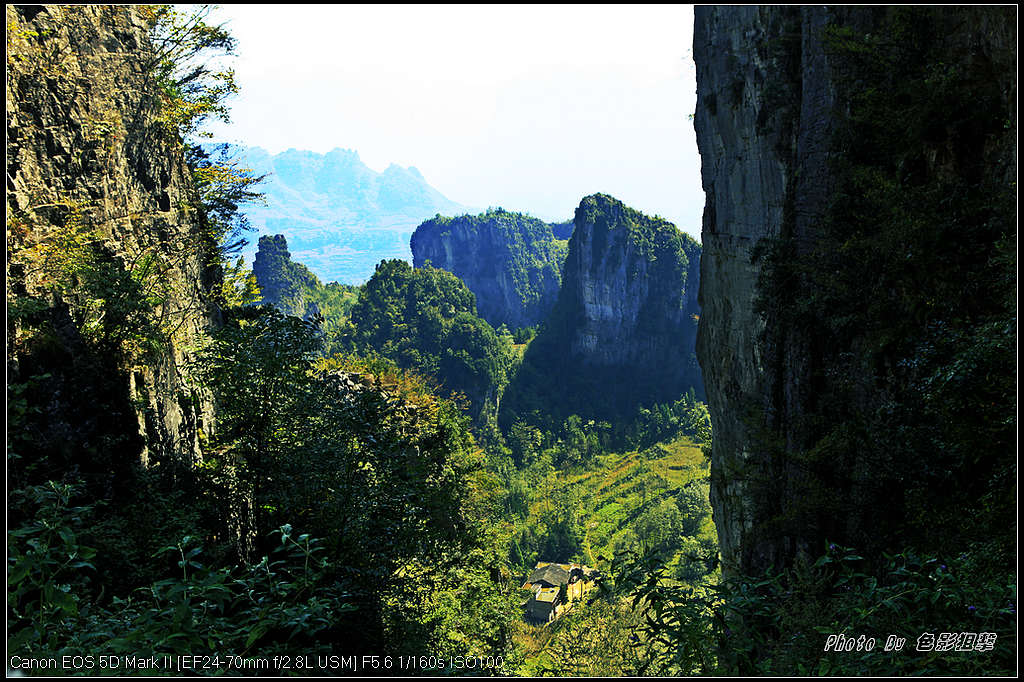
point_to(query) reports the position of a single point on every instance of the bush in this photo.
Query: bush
(779, 623)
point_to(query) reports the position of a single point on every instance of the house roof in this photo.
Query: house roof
(552, 574)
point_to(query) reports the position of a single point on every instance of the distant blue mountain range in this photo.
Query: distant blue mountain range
(340, 217)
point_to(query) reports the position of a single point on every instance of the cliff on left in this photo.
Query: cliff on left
(109, 274)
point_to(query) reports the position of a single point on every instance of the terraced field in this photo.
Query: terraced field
(620, 488)
(616, 500)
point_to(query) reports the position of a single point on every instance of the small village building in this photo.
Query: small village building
(554, 587)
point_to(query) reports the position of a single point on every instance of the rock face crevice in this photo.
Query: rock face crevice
(93, 168)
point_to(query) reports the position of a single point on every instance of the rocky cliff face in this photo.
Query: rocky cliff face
(511, 262)
(622, 332)
(768, 97)
(625, 293)
(101, 229)
(282, 281)
(746, 149)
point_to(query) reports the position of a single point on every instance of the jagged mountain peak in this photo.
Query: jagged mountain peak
(340, 216)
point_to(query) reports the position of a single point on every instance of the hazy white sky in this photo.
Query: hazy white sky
(529, 107)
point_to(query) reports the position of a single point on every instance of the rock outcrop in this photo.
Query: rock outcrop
(768, 95)
(101, 225)
(510, 261)
(283, 282)
(622, 332)
(629, 292)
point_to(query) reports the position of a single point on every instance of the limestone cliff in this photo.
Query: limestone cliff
(622, 332)
(108, 284)
(769, 95)
(628, 292)
(510, 261)
(283, 282)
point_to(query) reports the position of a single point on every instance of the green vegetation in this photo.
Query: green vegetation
(339, 504)
(119, 545)
(425, 320)
(185, 46)
(54, 609)
(283, 283)
(781, 621)
(385, 473)
(651, 502)
(511, 261)
(294, 290)
(223, 186)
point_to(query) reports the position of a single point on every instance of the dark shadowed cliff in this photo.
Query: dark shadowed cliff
(858, 329)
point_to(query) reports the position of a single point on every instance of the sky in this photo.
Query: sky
(527, 107)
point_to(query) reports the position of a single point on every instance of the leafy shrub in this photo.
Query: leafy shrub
(779, 623)
(56, 605)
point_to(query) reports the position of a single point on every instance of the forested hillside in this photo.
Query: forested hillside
(425, 320)
(512, 262)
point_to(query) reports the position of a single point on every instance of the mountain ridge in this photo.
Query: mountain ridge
(340, 216)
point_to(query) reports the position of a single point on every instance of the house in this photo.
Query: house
(546, 582)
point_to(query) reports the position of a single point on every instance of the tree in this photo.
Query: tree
(524, 441)
(186, 49)
(660, 528)
(425, 319)
(223, 186)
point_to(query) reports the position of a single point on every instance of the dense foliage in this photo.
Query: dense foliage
(362, 455)
(341, 506)
(121, 549)
(425, 319)
(293, 289)
(935, 618)
(651, 502)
